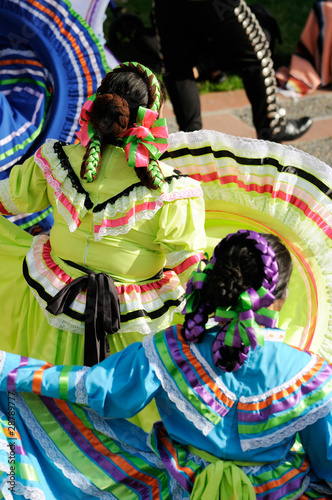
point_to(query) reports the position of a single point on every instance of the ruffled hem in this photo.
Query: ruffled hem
(54, 455)
(78, 66)
(270, 187)
(7, 205)
(24, 99)
(145, 307)
(71, 204)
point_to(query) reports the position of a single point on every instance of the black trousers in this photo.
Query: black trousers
(240, 44)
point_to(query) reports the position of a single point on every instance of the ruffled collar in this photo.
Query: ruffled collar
(133, 203)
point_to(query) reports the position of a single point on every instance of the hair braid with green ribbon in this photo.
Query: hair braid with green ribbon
(146, 141)
(240, 322)
(143, 142)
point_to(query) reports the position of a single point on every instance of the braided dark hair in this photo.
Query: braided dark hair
(238, 266)
(122, 91)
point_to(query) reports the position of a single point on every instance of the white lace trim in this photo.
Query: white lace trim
(28, 492)
(62, 322)
(4, 467)
(172, 390)
(183, 187)
(6, 198)
(175, 258)
(57, 458)
(282, 387)
(177, 492)
(140, 325)
(137, 216)
(311, 236)
(304, 486)
(215, 377)
(81, 395)
(4, 445)
(115, 231)
(321, 488)
(2, 359)
(58, 180)
(255, 470)
(100, 425)
(289, 430)
(251, 469)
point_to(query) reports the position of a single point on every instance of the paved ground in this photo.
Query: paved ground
(230, 112)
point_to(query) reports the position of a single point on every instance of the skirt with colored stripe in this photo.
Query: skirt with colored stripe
(247, 183)
(51, 61)
(61, 450)
(289, 478)
(58, 450)
(272, 188)
(31, 274)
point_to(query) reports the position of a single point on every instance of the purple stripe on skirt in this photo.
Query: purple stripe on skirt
(11, 378)
(169, 462)
(104, 463)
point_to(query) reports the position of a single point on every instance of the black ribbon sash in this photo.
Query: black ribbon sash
(102, 310)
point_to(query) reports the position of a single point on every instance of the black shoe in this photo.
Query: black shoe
(293, 129)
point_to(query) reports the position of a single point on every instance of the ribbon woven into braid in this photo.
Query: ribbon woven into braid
(242, 321)
(195, 284)
(251, 308)
(87, 131)
(147, 139)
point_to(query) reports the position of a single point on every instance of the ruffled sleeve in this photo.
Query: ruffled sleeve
(25, 191)
(181, 235)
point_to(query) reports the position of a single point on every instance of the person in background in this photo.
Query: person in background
(243, 414)
(239, 42)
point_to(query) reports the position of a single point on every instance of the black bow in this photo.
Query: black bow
(102, 310)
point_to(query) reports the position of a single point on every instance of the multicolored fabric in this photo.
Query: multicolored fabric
(142, 305)
(147, 140)
(246, 317)
(263, 419)
(52, 64)
(113, 216)
(130, 233)
(267, 187)
(66, 409)
(87, 131)
(307, 397)
(23, 79)
(193, 388)
(64, 450)
(285, 479)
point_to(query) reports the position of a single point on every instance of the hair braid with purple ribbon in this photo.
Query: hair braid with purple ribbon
(243, 313)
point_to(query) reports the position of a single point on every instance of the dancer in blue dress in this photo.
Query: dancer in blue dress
(243, 414)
